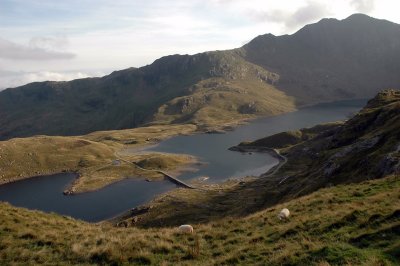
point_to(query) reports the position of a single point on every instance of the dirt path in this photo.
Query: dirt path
(282, 161)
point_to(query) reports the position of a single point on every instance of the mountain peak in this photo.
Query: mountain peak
(359, 16)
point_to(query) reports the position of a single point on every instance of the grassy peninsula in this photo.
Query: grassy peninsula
(98, 158)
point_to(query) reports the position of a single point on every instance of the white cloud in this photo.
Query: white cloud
(55, 43)
(9, 79)
(290, 19)
(310, 12)
(13, 51)
(363, 6)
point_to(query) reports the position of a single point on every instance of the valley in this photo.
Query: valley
(102, 171)
(313, 163)
(201, 155)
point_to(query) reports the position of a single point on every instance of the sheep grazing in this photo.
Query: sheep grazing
(284, 214)
(186, 229)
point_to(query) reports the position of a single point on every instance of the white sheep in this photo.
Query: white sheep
(284, 214)
(186, 229)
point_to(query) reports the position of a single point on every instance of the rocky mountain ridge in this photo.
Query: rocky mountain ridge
(326, 61)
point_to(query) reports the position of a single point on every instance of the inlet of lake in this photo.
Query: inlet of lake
(45, 192)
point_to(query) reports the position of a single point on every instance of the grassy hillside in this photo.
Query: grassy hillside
(99, 158)
(326, 61)
(348, 224)
(123, 99)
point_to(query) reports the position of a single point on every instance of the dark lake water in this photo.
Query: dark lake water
(45, 193)
(223, 163)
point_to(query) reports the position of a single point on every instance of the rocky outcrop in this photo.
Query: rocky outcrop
(356, 147)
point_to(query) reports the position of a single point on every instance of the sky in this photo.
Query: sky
(63, 40)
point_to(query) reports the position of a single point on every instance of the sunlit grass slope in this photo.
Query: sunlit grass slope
(348, 224)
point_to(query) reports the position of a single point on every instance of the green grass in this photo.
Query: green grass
(348, 224)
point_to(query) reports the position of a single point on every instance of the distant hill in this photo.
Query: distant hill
(325, 61)
(332, 59)
(207, 89)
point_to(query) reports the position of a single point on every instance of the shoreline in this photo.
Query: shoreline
(135, 213)
(200, 129)
(273, 152)
(39, 175)
(227, 127)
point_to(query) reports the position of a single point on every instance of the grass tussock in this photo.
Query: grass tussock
(333, 226)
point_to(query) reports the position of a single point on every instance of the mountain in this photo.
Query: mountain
(326, 61)
(202, 89)
(332, 59)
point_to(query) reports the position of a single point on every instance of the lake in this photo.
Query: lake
(45, 192)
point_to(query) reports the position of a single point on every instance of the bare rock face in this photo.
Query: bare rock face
(390, 164)
(330, 168)
(356, 147)
(250, 108)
